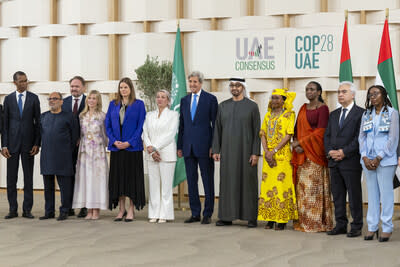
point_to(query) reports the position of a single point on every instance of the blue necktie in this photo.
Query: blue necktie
(343, 117)
(194, 106)
(20, 104)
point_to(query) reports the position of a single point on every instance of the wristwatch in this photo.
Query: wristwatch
(275, 150)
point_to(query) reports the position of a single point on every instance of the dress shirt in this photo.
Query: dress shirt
(79, 101)
(23, 98)
(197, 99)
(349, 107)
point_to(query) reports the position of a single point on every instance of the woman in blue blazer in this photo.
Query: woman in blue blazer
(124, 125)
(379, 137)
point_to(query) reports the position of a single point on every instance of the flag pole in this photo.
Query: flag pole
(346, 14)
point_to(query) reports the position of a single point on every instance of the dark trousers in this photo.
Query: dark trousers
(74, 160)
(12, 178)
(65, 183)
(206, 165)
(342, 182)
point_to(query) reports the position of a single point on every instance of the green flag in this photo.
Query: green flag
(178, 90)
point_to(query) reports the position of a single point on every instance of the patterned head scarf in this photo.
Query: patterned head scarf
(290, 96)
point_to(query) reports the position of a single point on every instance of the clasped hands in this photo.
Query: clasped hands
(269, 157)
(336, 155)
(154, 153)
(371, 164)
(297, 147)
(121, 145)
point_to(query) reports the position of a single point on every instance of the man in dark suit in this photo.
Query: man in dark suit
(75, 103)
(198, 112)
(341, 146)
(20, 139)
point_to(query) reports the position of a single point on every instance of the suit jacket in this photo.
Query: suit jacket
(21, 133)
(345, 138)
(196, 136)
(132, 126)
(67, 104)
(160, 133)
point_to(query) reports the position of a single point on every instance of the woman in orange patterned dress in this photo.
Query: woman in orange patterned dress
(312, 180)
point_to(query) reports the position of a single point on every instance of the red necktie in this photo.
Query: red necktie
(75, 110)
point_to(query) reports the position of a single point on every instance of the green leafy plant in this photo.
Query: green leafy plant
(153, 76)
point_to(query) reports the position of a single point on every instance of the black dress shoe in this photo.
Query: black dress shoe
(223, 223)
(192, 219)
(63, 216)
(354, 233)
(82, 213)
(337, 231)
(120, 219)
(206, 220)
(252, 224)
(47, 216)
(11, 214)
(71, 212)
(27, 214)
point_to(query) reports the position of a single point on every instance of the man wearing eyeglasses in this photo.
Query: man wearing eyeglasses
(342, 151)
(75, 103)
(59, 137)
(20, 139)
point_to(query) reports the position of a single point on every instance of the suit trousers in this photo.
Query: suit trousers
(343, 182)
(65, 184)
(206, 165)
(12, 178)
(161, 201)
(380, 190)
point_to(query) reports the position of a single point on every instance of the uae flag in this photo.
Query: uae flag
(385, 74)
(345, 72)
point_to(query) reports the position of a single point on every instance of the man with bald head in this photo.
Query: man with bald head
(59, 138)
(342, 151)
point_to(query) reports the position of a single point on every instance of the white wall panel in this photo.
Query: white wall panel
(82, 11)
(325, 19)
(186, 25)
(139, 10)
(6, 33)
(25, 13)
(378, 17)
(215, 9)
(52, 30)
(83, 55)
(135, 48)
(356, 5)
(114, 28)
(27, 54)
(251, 22)
(274, 7)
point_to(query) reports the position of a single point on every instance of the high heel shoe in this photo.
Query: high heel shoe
(371, 237)
(269, 225)
(385, 238)
(280, 226)
(120, 219)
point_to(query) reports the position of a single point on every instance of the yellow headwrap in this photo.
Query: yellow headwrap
(290, 96)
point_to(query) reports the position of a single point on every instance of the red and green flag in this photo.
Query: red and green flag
(385, 73)
(345, 71)
(178, 90)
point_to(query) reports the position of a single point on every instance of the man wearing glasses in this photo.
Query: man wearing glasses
(20, 139)
(59, 137)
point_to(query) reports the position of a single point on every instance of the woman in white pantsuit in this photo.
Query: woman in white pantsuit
(159, 132)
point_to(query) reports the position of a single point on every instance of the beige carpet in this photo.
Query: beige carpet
(76, 242)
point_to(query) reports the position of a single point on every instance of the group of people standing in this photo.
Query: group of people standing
(304, 160)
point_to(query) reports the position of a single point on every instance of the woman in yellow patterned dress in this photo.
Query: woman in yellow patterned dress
(277, 202)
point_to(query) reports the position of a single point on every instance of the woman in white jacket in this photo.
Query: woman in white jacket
(159, 130)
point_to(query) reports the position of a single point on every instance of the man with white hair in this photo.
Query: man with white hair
(237, 145)
(341, 148)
